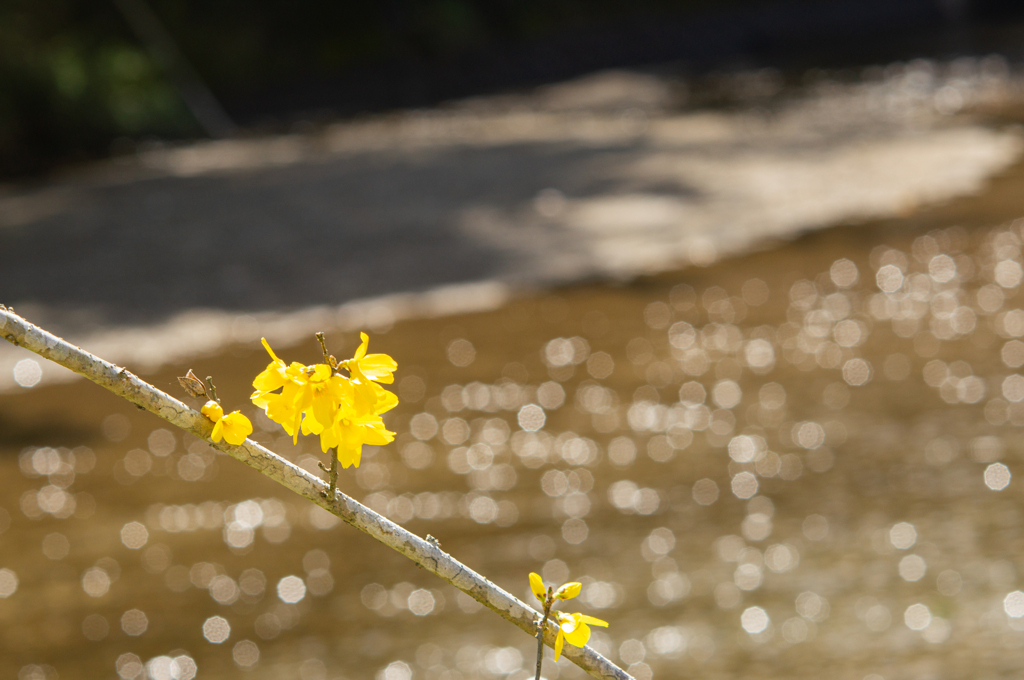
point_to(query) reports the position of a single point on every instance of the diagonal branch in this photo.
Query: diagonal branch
(121, 382)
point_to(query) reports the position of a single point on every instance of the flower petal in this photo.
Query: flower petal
(568, 591)
(558, 644)
(592, 621)
(321, 373)
(349, 453)
(236, 428)
(274, 375)
(324, 409)
(385, 401)
(378, 367)
(361, 350)
(266, 345)
(537, 586)
(212, 410)
(218, 431)
(375, 434)
(580, 636)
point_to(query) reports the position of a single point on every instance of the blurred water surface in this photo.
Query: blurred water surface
(795, 462)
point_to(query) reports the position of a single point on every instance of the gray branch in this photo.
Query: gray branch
(424, 553)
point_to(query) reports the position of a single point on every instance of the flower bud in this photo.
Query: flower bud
(568, 591)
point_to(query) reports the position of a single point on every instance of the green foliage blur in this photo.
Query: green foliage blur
(74, 77)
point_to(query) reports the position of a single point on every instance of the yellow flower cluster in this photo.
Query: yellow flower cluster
(572, 628)
(232, 428)
(344, 411)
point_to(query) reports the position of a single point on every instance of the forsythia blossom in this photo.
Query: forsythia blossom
(344, 411)
(232, 428)
(572, 628)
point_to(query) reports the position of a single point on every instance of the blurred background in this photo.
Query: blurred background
(713, 306)
(82, 81)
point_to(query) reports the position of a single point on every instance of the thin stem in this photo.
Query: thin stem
(540, 633)
(211, 389)
(332, 476)
(323, 348)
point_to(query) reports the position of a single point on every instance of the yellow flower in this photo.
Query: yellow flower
(376, 367)
(306, 390)
(273, 376)
(573, 628)
(350, 432)
(320, 394)
(565, 592)
(280, 407)
(232, 428)
(367, 371)
(212, 410)
(352, 428)
(349, 428)
(343, 411)
(537, 586)
(568, 591)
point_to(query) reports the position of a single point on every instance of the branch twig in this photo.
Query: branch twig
(541, 629)
(428, 555)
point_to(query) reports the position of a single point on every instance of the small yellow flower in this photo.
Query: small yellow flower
(568, 591)
(565, 592)
(537, 586)
(274, 375)
(376, 367)
(573, 628)
(212, 410)
(350, 432)
(232, 428)
(350, 427)
(281, 409)
(320, 395)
